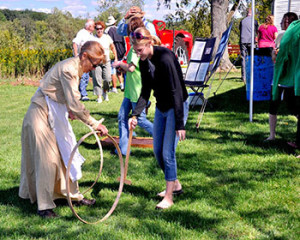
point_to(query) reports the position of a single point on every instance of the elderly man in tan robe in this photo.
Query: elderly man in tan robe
(43, 173)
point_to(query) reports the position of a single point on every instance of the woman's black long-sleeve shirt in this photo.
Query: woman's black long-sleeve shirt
(163, 74)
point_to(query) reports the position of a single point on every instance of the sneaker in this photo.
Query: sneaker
(122, 86)
(85, 98)
(114, 90)
(105, 96)
(99, 100)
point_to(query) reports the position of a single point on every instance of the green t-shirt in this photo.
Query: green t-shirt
(133, 83)
(286, 71)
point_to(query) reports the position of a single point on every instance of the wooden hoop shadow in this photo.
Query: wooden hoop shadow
(99, 173)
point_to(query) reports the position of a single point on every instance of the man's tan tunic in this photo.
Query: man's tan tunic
(42, 169)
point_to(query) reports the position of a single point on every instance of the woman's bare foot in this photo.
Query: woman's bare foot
(177, 190)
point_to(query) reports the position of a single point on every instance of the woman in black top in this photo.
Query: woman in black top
(161, 72)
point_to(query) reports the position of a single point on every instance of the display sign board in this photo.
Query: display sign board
(200, 60)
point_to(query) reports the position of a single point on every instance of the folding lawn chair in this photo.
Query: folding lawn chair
(196, 76)
(200, 69)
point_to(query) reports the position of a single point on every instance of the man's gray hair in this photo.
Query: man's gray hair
(89, 23)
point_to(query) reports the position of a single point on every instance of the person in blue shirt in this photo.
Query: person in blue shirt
(134, 12)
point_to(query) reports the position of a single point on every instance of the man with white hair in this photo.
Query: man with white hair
(83, 36)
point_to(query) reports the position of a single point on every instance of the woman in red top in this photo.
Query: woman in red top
(267, 33)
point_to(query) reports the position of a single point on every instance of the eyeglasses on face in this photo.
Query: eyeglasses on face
(94, 65)
(139, 50)
(138, 36)
(99, 28)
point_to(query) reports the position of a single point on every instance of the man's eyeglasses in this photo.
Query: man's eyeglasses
(99, 28)
(138, 36)
(94, 65)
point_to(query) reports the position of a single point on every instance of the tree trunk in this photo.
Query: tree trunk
(219, 25)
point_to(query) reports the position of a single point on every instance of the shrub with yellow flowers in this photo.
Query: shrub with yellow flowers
(29, 62)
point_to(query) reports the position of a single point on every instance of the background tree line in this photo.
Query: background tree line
(51, 35)
(29, 29)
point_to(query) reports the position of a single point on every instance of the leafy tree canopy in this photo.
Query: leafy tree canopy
(11, 15)
(122, 6)
(28, 29)
(2, 17)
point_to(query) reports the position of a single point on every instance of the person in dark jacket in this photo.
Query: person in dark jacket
(161, 72)
(120, 46)
(245, 39)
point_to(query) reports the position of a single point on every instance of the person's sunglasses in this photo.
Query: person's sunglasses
(94, 65)
(138, 36)
(98, 29)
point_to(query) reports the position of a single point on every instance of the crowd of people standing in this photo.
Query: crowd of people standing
(285, 53)
(48, 138)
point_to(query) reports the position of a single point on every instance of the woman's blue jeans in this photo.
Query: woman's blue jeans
(143, 122)
(165, 140)
(84, 81)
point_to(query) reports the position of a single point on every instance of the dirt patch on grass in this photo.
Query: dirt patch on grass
(26, 82)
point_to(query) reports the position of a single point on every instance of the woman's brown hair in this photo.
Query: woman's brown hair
(133, 24)
(269, 21)
(94, 50)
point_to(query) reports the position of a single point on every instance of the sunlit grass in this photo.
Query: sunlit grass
(235, 185)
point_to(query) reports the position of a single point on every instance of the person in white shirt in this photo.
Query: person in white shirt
(102, 73)
(83, 36)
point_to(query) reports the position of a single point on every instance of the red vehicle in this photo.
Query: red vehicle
(179, 41)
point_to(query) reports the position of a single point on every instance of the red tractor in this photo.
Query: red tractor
(179, 41)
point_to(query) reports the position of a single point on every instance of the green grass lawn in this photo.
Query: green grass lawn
(235, 185)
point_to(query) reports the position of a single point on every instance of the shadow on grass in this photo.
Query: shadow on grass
(10, 197)
(235, 101)
(106, 115)
(254, 139)
(226, 182)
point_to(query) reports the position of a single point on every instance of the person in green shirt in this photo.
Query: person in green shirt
(287, 70)
(286, 92)
(133, 86)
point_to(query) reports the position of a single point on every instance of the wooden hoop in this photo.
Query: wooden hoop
(127, 158)
(99, 173)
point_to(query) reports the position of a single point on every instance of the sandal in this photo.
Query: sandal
(175, 193)
(163, 205)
